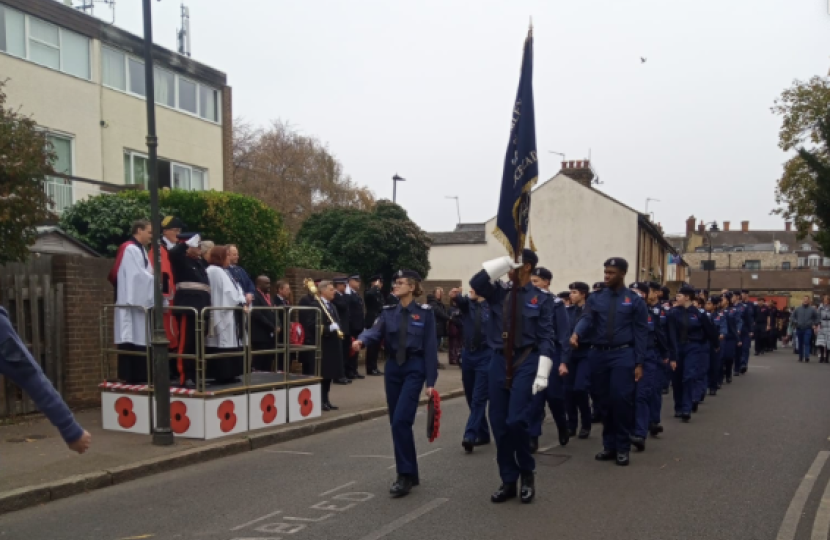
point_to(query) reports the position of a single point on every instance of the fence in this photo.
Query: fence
(36, 309)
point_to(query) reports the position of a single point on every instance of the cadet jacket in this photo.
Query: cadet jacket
(762, 316)
(748, 316)
(617, 318)
(657, 336)
(421, 341)
(535, 309)
(719, 322)
(470, 311)
(356, 313)
(692, 326)
(574, 313)
(373, 300)
(734, 323)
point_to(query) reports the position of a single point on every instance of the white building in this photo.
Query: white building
(575, 228)
(82, 80)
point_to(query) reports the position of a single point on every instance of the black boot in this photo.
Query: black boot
(534, 444)
(639, 443)
(564, 437)
(468, 445)
(655, 429)
(622, 459)
(504, 493)
(528, 487)
(402, 486)
(584, 433)
(606, 455)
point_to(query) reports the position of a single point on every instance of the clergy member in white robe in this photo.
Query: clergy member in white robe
(225, 327)
(134, 287)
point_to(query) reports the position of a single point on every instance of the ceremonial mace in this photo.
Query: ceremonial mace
(312, 288)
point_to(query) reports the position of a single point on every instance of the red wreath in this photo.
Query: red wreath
(306, 405)
(126, 416)
(269, 408)
(179, 421)
(227, 416)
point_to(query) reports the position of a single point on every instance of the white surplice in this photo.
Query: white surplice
(135, 288)
(225, 293)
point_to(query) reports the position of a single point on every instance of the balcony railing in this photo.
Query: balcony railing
(65, 190)
(60, 191)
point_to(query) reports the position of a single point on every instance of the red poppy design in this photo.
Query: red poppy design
(269, 408)
(534, 300)
(306, 405)
(649, 318)
(416, 317)
(627, 299)
(227, 416)
(126, 416)
(179, 421)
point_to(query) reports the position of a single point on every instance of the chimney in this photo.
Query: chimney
(744, 226)
(701, 228)
(579, 171)
(564, 165)
(571, 165)
(726, 226)
(690, 225)
(788, 226)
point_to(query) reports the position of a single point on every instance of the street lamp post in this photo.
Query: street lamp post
(162, 435)
(395, 180)
(710, 234)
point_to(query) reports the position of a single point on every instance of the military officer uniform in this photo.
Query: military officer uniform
(578, 379)
(732, 319)
(748, 333)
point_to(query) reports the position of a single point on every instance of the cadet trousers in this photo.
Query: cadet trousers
(577, 386)
(554, 397)
(702, 375)
(745, 348)
(655, 406)
(612, 377)
(404, 384)
(730, 353)
(474, 374)
(647, 387)
(761, 337)
(691, 356)
(510, 415)
(805, 340)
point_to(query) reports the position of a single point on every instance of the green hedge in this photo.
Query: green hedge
(103, 222)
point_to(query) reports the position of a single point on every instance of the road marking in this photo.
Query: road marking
(257, 520)
(401, 521)
(289, 452)
(329, 492)
(374, 457)
(790, 524)
(543, 450)
(821, 525)
(418, 457)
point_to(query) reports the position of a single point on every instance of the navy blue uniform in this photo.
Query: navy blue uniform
(405, 374)
(748, 324)
(510, 410)
(718, 322)
(618, 319)
(650, 385)
(554, 394)
(731, 331)
(578, 380)
(475, 363)
(691, 340)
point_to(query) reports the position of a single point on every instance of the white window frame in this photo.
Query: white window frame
(191, 168)
(802, 262)
(133, 154)
(814, 261)
(54, 179)
(806, 247)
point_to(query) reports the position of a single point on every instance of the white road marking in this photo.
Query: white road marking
(419, 457)
(821, 525)
(374, 457)
(329, 492)
(289, 452)
(789, 525)
(257, 520)
(403, 520)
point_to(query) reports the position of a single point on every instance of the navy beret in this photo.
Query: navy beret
(745, 291)
(599, 285)
(687, 290)
(666, 292)
(530, 257)
(409, 274)
(340, 280)
(376, 277)
(728, 295)
(715, 299)
(564, 295)
(641, 286)
(542, 272)
(617, 262)
(357, 277)
(580, 286)
(654, 286)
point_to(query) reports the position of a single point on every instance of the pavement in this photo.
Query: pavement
(751, 465)
(33, 456)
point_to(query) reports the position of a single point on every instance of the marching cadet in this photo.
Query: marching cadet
(578, 380)
(657, 354)
(665, 298)
(660, 313)
(475, 364)
(730, 344)
(408, 332)
(748, 332)
(618, 319)
(715, 358)
(596, 413)
(554, 394)
(565, 296)
(763, 325)
(692, 333)
(532, 353)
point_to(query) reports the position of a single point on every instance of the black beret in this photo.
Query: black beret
(340, 280)
(580, 286)
(687, 290)
(641, 286)
(564, 294)
(530, 257)
(654, 286)
(617, 262)
(666, 292)
(409, 274)
(542, 272)
(376, 277)
(599, 285)
(728, 295)
(715, 299)
(745, 291)
(357, 277)
(172, 222)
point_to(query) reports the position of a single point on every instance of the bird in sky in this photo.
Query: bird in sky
(643, 60)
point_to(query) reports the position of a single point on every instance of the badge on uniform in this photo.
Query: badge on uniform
(433, 416)
(627, 301)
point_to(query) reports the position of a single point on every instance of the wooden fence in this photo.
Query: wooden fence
(36, 308)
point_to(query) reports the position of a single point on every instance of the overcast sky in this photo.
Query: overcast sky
(425, 89)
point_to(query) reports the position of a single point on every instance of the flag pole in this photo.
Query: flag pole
(511, 332)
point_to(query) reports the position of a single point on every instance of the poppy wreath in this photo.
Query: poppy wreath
(126, 416)
(179, 421)
(269, 408)
(227, 416)
(306, 405)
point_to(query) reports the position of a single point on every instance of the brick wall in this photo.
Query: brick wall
(430, 285)
(87, 291)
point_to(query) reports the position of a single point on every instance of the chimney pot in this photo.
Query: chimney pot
(564, 164)
(788, 226)
(744, 226)
(690, 225)
(725, 225)
(579, 164)
(701, 228)
(571, 164)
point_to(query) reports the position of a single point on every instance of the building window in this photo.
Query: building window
(826, 261)
(125, 73)
(752, 265)
(44, 43)
(806, 247)
(813, 261)
(816, 281)
(60, 189)
(785, 265)
(136, 169)
(170, 174)
(802, 262)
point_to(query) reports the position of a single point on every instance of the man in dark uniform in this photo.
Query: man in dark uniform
(308, 320)
(596, 413)
(357, 315)
(618, 319)
(578, 380)
(749, 310)
(532, 353)
(762, 326)
(373, 299)
(666, 305)
(341, 302)
(772, 335)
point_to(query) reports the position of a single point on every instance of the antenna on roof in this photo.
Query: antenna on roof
(88, 6)
(183, 34)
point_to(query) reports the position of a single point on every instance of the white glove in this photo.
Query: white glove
(496, 268)
(542, 374)
(334, 327)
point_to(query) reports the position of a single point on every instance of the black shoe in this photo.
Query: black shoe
(639, 443)
(504, 493)
(375, 373)
(729, 380)
(694, 406)
(757, 354)
(655, 429)
(677, 415)
(402, 486)
(342, 380)
(606, 455)
(622, 459)
(528, 490)
(807, 359)
(326, 407)
(534, 444)
(744, 368)
(685, 417)
(332, 407)
(572, 432)
(702, 398)
(713, 392)
(481, 442)
(584, 433)
(468, 445)
(564, 437)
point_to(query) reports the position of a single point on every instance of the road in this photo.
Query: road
(738, 470)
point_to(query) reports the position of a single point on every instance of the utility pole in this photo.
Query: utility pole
(457, 207)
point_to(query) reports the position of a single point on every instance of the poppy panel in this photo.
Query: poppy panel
(265, 406)
(187, 417)
(226, 416)
(304, 402)
(125, 412)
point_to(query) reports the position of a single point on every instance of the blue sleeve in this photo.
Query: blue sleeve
(374, 335)
(430, 349)
(17, 364)
(674, 341)
(562, 323)
(544, 330)
(739, 325)
(586, 321)
(462, 303)
(640, 330)
(248, 284)
(710, 331)
(662, 340)
(492, 292)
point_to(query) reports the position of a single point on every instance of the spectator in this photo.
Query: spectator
(455, 335)
(341, 302)
(805, 321)
(17, 364)
(283, 297)
(206, 246)
(225, 326)
(331, 364)
(240, 275)
(441, 319)
(264, 327)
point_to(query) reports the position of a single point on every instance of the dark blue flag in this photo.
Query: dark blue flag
(521, 165)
